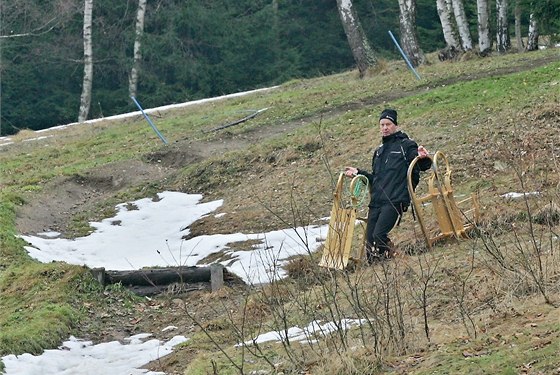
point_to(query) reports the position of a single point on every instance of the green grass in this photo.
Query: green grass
(37, 308)
(10, 246)
(489, 93)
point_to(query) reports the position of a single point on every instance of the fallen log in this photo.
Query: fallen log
(159, 276)
(156, 280)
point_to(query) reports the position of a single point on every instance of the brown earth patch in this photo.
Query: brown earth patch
(63, 198)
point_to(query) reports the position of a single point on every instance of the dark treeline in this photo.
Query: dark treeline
(190, 50)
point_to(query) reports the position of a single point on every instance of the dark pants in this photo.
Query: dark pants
(380, 221)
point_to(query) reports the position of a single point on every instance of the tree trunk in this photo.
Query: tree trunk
(133, 79)
(409, 36)
(484, 40)
(85, 99)
(517, 13)
(159, 276)
(444, 13)
(502, 28)
(359, 44)
(462, 24)
(533, 37)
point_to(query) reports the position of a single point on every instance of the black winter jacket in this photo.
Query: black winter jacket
(388, 180)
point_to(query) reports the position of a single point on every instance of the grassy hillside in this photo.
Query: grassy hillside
(484, 305)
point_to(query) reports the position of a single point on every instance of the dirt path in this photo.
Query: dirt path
(62, 198)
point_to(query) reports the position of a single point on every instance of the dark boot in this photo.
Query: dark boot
(372, 256)
(387, 251)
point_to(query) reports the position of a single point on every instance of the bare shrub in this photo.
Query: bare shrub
(526, 254)
(460, 278)
(357, 361)
(420, 277)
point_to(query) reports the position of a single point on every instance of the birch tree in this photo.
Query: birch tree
(359, 44)
(462, 24)
(444, 13)
(483, 15)
(133, 79)
(85, 99)
(533, 36)
(502, 27)
(409, 35)
(517, 15)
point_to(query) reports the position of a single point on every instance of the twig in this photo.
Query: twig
(237, 121)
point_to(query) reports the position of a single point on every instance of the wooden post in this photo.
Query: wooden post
(216, 276)
(99, 275)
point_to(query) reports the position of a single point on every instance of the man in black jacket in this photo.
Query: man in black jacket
(388, 183)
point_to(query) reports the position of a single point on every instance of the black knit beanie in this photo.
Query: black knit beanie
(390, 114)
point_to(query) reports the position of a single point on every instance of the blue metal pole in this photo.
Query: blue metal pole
(403, 55)
(149, 120)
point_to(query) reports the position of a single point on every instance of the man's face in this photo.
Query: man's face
(387, 127)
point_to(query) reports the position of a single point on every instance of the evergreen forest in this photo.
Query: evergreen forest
(190, 50)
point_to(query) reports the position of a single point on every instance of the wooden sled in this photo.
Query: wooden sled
(336, 252)
(448, 218)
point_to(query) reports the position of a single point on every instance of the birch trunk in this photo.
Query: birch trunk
(444, 13)
(462, 24)
(133, 79)
(85, 99)
(409, 36)
(357, 39)
(483, 14)
(502, 27)
(533, 37)
(517, 14)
